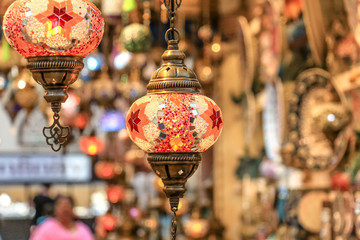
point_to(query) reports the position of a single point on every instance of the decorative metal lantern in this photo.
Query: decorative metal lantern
(173, 122)
(54, 36)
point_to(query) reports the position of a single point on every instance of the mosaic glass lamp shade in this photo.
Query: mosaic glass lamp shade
(174, 122)
(53, 27)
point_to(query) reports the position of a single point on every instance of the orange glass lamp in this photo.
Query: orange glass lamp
(174, 123)
(54, 36)
(91, 145)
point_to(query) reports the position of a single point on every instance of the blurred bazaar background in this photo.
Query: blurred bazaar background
(286, 75)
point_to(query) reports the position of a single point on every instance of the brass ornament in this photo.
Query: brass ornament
(173, 75)
(318, 122)
(174, 170)
(55, 74)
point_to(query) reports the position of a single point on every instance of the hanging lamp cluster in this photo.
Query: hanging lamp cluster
(54, 36)
(173, 123)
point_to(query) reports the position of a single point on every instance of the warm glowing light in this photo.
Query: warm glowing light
(115, 194)
(92, 149)
(108, 222)
(91, 145)
(216, 47)
(21, 84)
(180, 205)
(80, 120)
(197, 227)
(160, 183)
(107, 170)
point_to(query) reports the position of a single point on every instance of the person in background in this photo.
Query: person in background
(63, 226)
(44, 206)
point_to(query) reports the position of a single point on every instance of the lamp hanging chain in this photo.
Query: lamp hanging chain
(172, 6)
(173, 225)
(174, 205)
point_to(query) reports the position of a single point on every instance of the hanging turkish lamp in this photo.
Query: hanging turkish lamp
(91, 145)
(174, 122)
(54, 36)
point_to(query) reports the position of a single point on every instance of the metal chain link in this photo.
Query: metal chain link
(173, 225)
(172, 6)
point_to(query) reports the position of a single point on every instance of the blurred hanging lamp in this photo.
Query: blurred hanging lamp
(173, 122)
(54, 36)
(136, 37)
(91, 145)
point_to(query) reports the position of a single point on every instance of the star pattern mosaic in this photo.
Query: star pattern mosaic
(58, 18)
(53, 27)
(177, 122)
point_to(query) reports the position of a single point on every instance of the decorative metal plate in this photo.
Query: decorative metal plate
(309, 210)
(318, 122)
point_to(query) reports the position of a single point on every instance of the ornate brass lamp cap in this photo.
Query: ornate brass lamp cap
(173, 75)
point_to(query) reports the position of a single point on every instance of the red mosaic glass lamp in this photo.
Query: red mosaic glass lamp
(174, 123)
(54, 36)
